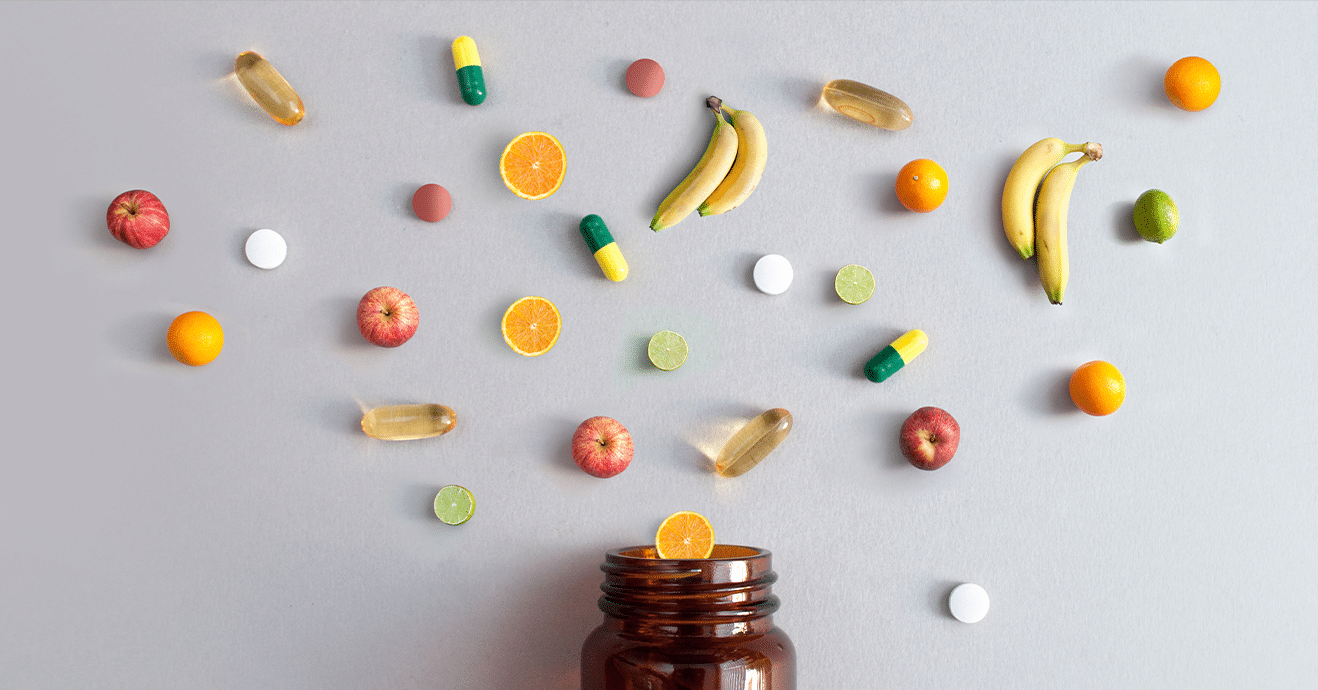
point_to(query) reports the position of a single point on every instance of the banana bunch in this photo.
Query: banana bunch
(1041, 225)
(725, 175)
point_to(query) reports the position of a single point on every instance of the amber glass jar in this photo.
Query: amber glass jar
(700, 624)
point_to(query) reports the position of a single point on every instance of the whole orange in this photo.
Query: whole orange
(1098, 388)
(922, 185)
(195, 338)
(1192, 83)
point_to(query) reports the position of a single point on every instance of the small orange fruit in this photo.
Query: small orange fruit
(922, 185)
(195, 338)
(1192, 83)
(531, 326)
(685, 535)
(533, 165)
(1098, 388)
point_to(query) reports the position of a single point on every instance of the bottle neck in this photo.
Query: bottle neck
(727, 594)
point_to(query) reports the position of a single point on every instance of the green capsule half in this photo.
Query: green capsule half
(892, 358)
(467, 61)
(600, 242)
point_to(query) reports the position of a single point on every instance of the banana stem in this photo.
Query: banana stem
(1093, 151)
(714, 103)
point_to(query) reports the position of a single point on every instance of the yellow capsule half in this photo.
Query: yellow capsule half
(612, 262)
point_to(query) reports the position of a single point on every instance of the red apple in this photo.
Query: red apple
(602, 447)
(930, 437)
(387, 316)
(137, 218)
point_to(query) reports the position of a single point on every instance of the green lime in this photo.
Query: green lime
(854, 284)
(454, 504)
(667, 350)
(1156, 217)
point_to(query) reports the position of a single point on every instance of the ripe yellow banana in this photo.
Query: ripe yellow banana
(752, 153)
(1022, 183)
(1050, 223)
(705, 177)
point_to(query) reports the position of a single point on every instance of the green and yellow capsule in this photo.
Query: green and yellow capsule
(471, 81)
(603, 247)
(896, 355)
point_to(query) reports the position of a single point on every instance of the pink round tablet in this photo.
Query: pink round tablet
(645, 78)
(431, 203)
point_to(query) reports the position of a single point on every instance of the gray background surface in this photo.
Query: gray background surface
(230, 526)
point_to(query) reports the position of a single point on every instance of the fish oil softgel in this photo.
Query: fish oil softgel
(408, 422)
(753, 442)
(269, 89)
(867, 104)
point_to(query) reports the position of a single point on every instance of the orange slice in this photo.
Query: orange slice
(531, 325)
(685, 535)
(533, 165)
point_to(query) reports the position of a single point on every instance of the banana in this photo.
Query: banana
(752, 153)
(705, 177)
(1023, 181)
(1050, 222)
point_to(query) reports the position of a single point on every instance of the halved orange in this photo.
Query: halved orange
(533, 165)
(685, 535)
(531, 326)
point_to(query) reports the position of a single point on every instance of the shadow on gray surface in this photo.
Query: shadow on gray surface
(1056, 399)
(938, 594)
(889, 434)
(141, 338)
(1123, 222)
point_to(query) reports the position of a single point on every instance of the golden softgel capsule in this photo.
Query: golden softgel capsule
(867, 104)
(753, 442)
(269, 89)
(408, 422)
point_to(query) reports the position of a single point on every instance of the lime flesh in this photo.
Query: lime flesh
(1156, 217)
(854, 284)
(667, 350)
(454, 504)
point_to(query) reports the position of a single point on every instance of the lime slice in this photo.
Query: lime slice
(854, 284)
(667, 350)
(454, 504)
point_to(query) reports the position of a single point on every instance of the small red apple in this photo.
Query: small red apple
(602, 447)
(930, 437)
(387, 316)
(137, 218)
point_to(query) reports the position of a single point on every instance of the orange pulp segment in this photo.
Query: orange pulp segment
(685, 535)
(533, 165)
(531, 326)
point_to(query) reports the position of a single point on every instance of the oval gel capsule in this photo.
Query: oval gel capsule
(408, 422)
(269, 89)
(471, 81)
(867, 104)
(601, 244)
(897, 355)
(753, 442)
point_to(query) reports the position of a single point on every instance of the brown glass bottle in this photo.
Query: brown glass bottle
(699, 624)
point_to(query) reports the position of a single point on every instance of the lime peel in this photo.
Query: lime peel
(1156, 216)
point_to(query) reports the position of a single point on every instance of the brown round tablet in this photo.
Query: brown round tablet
(645, 78)
(431, 203)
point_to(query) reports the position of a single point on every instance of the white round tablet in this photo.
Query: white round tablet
(266, 248)
(968, 602)
(773, 274)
